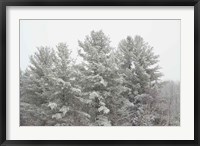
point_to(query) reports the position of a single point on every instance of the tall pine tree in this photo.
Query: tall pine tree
(140, 70)
(99, 77)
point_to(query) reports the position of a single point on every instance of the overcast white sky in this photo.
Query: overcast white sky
(163, 35)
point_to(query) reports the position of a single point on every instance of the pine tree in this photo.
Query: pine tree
(35, 77)
(139, 58)
(34, 91)
(140, 70)
(98, 77)
(47, 84)
(67, 101)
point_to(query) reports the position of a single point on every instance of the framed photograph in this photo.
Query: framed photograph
(99, 72)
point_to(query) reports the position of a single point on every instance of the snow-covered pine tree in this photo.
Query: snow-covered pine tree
(34, 91)
(47, 85)
(66, 100)
(35, 76)
(99, 77)
(140, 70)
(139, 57)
